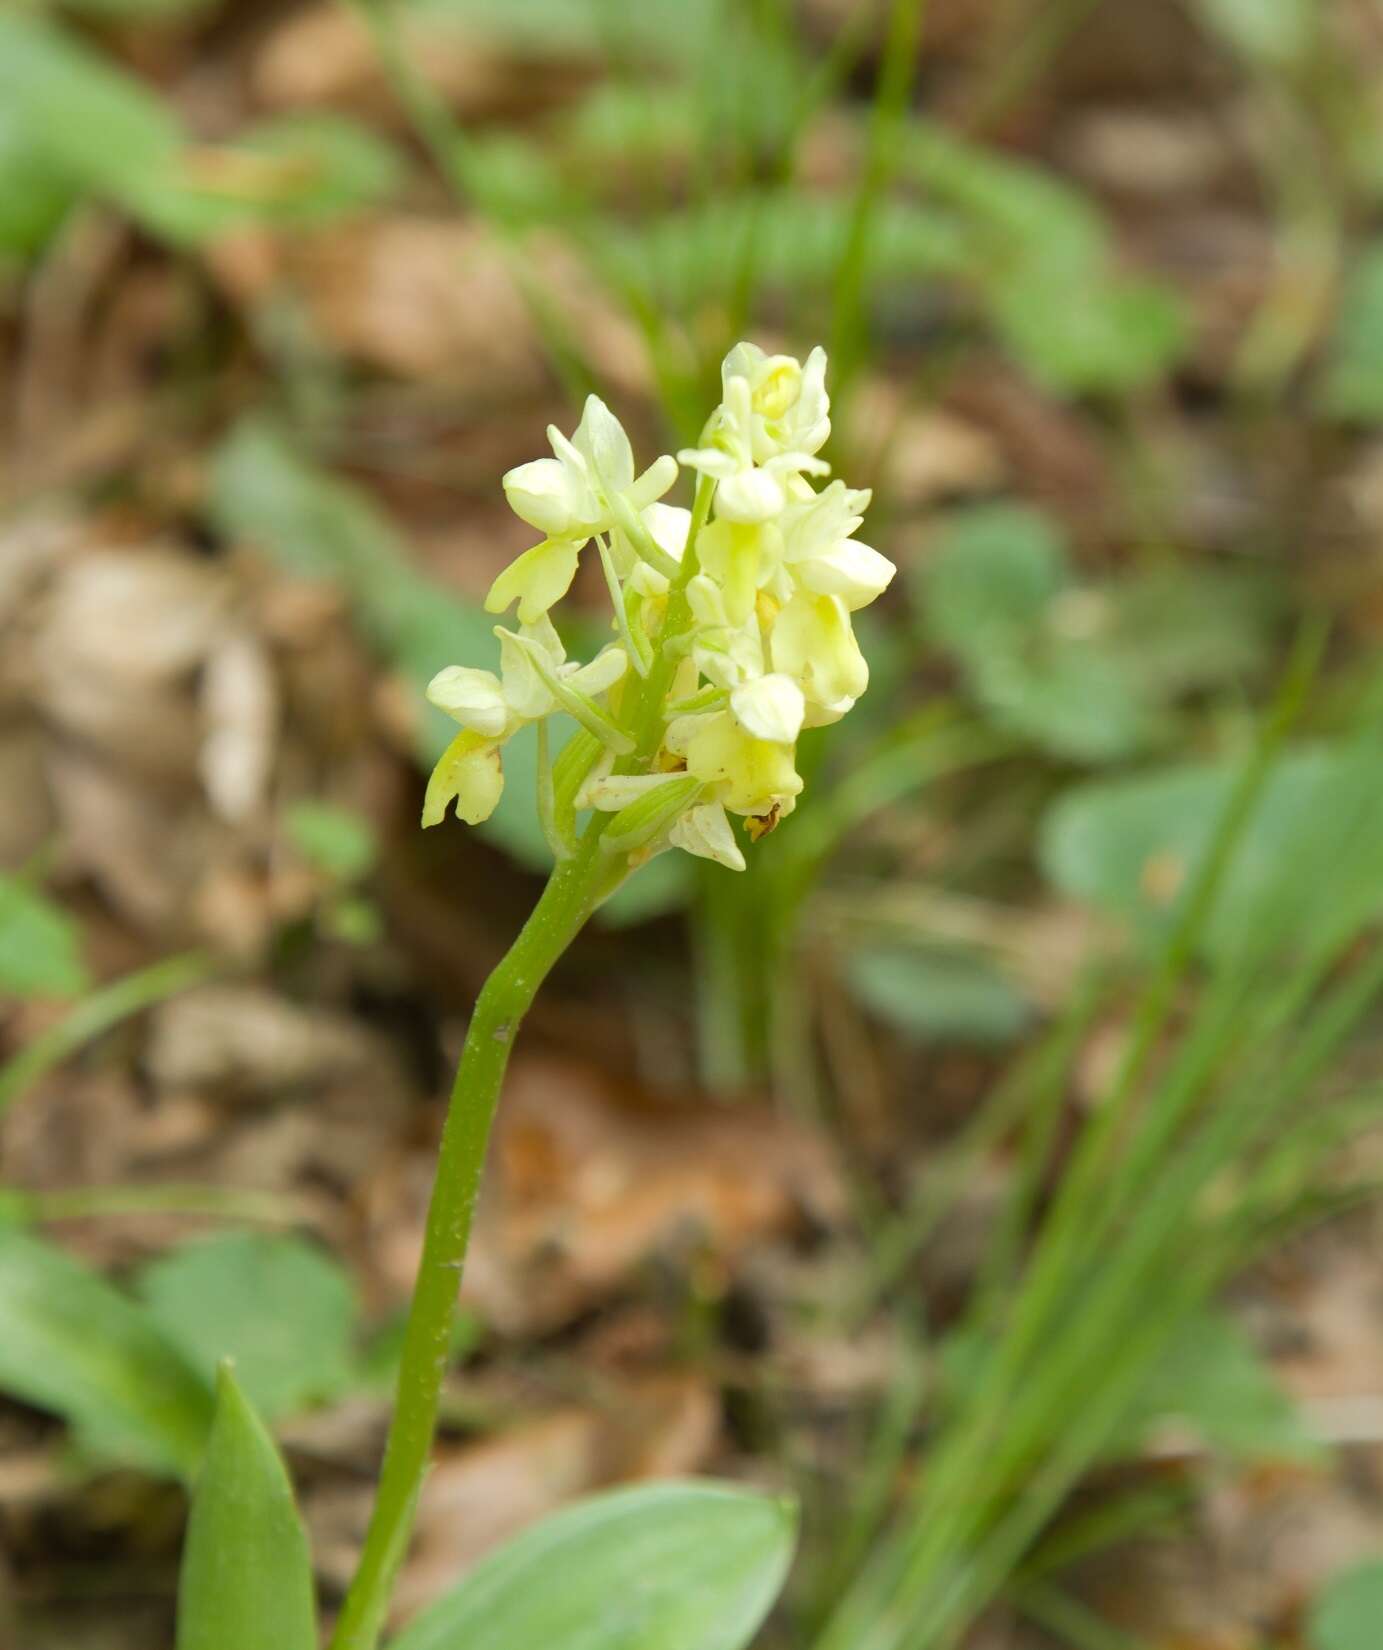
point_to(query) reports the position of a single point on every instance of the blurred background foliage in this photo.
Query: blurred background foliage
(1068, 966)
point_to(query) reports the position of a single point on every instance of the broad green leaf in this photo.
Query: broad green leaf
(35, 195)
(1353, 386)
(72, 1343)
(1081, 669)
(1212, 1379)
(1310, 859)
(1347, 1613)
(1091, 335)
(335, 840)
(995, 570)
(246, 1580)
(40, 945)
(102, 131)
(996, 593)
(100, 126)
(318, 527)
(1279, 32)
(939, 996)
(679, 1566)
(284, 1311)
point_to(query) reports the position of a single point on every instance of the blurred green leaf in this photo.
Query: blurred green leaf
(132, 11)
(246, 1580)
(664, 884)
(1086, 335)
(995, 593)
(35, 195)
(122, 11)
(330, 167)
(283, 1310)
(100, 130)
(992, 575)
(1353, 385)
(355, 921)
(1082, 670)
(335, 840)
(72, 1343)
(1279, 32)
(1212, 1379)
(317, 526)
(681, 259)
(562, 28)
(684, 1566)
(102, 127)
(40, 945)
(1183, 628)
(1041, 259)
(1310, 858)
(1348, 1610)
(937, 996)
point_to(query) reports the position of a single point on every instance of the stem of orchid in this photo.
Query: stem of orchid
(575, 888)
(505, 998)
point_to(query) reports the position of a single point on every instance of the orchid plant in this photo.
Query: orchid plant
(731, 633)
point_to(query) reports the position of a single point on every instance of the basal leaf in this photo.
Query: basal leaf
(1310, 859)
(72, 1343)
(994, 568)
(283, 1310)
(679, 1566)
(246, 1581)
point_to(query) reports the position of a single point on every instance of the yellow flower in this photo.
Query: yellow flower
(812, 641)
(747, 775)
(469, 774)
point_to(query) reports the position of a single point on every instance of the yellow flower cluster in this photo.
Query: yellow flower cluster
(765, 589)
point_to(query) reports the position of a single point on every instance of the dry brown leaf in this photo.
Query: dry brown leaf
(239, 704)
(583, 1189)
(324, 56)
(243, 1042)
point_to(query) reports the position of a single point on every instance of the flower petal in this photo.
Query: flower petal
(772, 707)
(546, 495)
(539, 578)
(601, 441)
(474, 698)
(469, 773)
(750, 495)
(706, 832)
(852, 571)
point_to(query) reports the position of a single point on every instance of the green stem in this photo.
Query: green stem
(573, 891)
(499, 1009)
